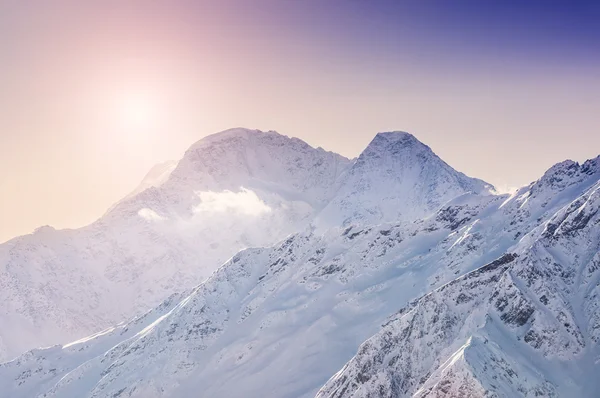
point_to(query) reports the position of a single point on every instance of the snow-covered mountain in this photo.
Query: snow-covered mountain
(508, 287)
(396, 178)
(231, 190)
(527, 324)
(157, 175)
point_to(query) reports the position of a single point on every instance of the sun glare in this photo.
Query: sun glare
(137, 111)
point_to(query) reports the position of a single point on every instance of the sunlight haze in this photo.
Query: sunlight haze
(92, 96)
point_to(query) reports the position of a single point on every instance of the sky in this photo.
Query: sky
(94, 93)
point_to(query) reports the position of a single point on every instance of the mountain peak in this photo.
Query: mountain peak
(567, 173)
(233, 134)
(591, 166)
(396, 149)
(394, 142)
(268, 163)
(565, 167)
(396, 136)
(396, 178)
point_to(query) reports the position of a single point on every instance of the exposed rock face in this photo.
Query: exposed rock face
(524, 325)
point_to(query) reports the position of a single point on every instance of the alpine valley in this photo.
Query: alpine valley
(259, 266)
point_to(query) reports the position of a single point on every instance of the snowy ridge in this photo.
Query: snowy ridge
(227, 193)
(157, 176)
(524, 325)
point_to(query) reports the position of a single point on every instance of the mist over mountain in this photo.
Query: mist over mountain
(236, 189)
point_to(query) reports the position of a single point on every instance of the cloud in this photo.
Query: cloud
(505, 188)
(150, 215)
(244, 202)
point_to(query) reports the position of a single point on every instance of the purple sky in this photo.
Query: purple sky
(93, 93)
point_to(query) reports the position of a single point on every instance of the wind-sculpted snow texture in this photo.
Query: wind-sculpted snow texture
(507, 284)
(526, 324)
(236, 189)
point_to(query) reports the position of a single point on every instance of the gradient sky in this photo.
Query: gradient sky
(93, 93)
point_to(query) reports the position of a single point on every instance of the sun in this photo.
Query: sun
(137, 111)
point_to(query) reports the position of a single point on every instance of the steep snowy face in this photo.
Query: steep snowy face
(524, 325)
(155, 177)
(236, 189)
(563, 176)
(303, 306)
(536, 202)
(262, 161)
(273, 166)
(396, 178)
(40, 369)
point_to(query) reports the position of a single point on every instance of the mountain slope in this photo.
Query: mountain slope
(231, 190)
(40, 369)
(396, 178)
(157, 175)
(286, 318)
(524, 325)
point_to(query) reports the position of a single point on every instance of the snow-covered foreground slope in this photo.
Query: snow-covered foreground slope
(235, 189)
(280, 321)
(38, 369)
(527, 324)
